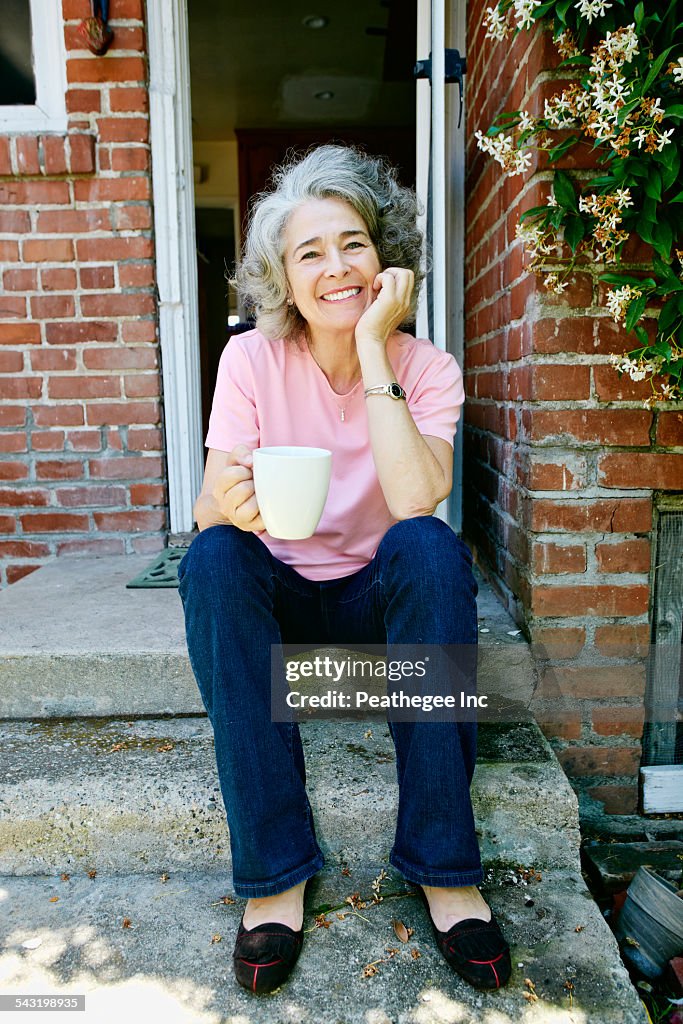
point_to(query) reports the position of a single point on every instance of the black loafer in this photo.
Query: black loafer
(265, 955)
(476, 949)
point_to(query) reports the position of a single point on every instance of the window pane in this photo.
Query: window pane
(17, 84)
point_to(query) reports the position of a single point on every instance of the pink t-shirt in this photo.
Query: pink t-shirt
(274, 393)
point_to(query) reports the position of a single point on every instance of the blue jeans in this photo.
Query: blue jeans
(239, 600)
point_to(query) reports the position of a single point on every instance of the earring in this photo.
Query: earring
(290, 302)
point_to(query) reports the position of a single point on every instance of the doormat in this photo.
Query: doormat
(163, 572)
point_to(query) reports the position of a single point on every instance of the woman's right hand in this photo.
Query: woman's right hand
(233, 491)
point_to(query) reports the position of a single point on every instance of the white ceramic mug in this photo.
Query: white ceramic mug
(291, 484)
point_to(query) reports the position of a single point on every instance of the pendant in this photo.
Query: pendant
(341, 415)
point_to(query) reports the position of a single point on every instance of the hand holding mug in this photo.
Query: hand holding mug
(234, 492)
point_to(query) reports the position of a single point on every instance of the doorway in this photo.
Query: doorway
(270, 82)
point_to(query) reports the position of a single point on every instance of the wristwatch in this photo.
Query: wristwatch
(394, 390)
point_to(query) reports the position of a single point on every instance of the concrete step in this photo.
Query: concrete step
(169, 963)
(75, 642)
(143, 795)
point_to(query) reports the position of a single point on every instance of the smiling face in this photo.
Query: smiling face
(331, 264)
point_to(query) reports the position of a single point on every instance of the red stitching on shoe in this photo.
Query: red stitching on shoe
(496, 974)
(491, 962)
(271, 964)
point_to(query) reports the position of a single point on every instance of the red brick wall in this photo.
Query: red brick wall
(81, 463)
(562, 460)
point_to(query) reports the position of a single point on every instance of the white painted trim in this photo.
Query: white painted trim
(423, 120)
(49, 69)
(176, 261)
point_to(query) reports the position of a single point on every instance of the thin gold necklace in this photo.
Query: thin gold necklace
(348, 395)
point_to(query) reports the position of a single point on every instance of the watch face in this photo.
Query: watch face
(396, 391)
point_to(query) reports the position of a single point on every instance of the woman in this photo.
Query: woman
(332, 268)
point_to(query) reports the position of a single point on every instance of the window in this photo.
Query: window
(32, 67)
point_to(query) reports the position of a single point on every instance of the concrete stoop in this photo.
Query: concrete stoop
(121, 818)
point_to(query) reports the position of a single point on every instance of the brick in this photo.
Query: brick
(116, 304)
(549, 558)
(84, 387)
(52, 307)
(122, 413)
(83, 497)
(130, 521)
(61, 279)
(13, 442)
(112, 190)
(95, 546)
(148, 494)
(95, 250)
(83, 101)
(137, 467)
(600, 760)
(641, 469)
(5, 156)
(106, 69)
(54, 154)
(16, 497)
(610, 387)
(75, 333)
(139, 331)
(23, 549)
(148, 545)
(7, 524)
(589, 426)
(59, 415)
(20, 280)
(621, 515)
(616, 799)
(14, 222)
(142, 385)
(17, 572)
(13, 306)
(128, 99)
(9, 251)
(557, 476)
(120, 358)
(11, 361)
(53, 359)
(73, 9)
(623, 641)
(566, 334)
(20, 387)
(135, 218)
(564, 725)
(563, 601)
(26, 148)
(149, 440)
(123, 129)
(12, 416)
(132, 10)
(553, 382)
(591, 682)
(97, 277)
(73, 222)
(58, 469)
(54, 522)
(47, 440)
(13, 471)
(82, 154)
(624, 556)
(557, 642)
(33, 193)
(618, 721)
(130, 158)
(670, 429)
(57, 250)
(85, 440)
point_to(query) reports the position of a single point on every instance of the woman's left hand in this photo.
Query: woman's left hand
(394, 287)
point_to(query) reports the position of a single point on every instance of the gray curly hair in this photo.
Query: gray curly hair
(368, 184)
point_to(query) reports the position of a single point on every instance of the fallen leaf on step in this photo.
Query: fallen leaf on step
(166, 746)
(216, 938)
(92, 874)
(54, 899)
(126, 923)
(65, 877)
(400, 930)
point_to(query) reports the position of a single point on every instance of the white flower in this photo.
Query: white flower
(623, 198)
(553, 284)
(496, 24)
(664, 139)
(526, 121)
(551, 201)
(590, 9)
(618, 299)
(678, 71)
(524, 12)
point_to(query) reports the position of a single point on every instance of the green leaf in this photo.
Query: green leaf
(666, 272)
(564, 191)
(573, 61)
(674, 111)
(639, 14)
(668, 315)
(655, 69)
(678, 198)
(533, 211)
(562, 148)
(642, 335)
(627, 108)
(636, 309)
(653, 185)
(603, 181)
(621, 279)
(663, 238)
(574, 230)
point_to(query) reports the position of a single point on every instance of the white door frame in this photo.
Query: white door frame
(176, 261)
(173, 183)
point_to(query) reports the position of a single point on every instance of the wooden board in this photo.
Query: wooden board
(662, 787)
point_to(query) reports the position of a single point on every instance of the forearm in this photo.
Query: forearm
(409, 473)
